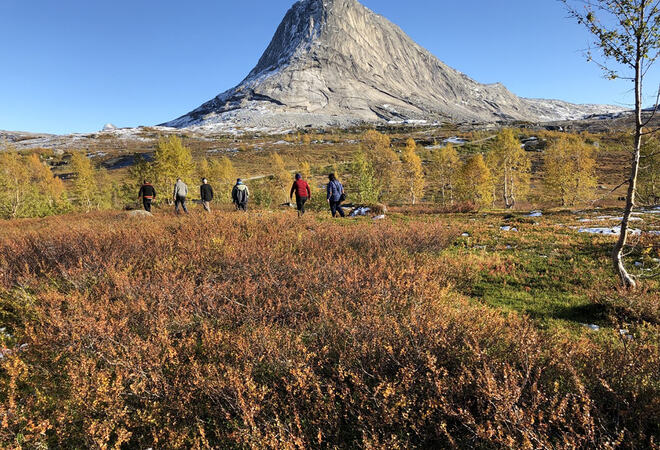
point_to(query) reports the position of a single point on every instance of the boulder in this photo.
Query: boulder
(139, 214)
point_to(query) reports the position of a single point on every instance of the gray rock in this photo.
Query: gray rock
(337, 63)
(139, 214)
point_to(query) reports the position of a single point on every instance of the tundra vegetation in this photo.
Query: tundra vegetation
(228, 330)
(454, 322)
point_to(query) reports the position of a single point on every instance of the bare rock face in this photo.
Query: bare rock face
(335, 62)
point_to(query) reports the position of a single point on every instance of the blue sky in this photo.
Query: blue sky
(74, 65)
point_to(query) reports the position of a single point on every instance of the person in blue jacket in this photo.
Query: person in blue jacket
(335, 196)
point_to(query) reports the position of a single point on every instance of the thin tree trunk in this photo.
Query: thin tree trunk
(16, 205)
(617, 254)
(513, 192)
(505, 196)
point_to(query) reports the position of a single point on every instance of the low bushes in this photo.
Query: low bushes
(234, 331)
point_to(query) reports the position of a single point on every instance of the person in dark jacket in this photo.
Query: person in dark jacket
(303, 193)
(206, 194)
(335, 191)
(147, 194)
(240, 195)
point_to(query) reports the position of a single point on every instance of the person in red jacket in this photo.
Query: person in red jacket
(303, 193)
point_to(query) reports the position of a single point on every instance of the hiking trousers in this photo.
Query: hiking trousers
(241, 206)
(180, 201)
(207, 206)
(146, 202)
(300, 204)
(335, 208)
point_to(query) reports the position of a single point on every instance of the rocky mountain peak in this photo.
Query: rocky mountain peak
(335, 62)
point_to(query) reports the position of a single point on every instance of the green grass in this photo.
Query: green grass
(546, 270)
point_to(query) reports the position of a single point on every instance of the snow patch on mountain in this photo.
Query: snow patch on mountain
(556, 110)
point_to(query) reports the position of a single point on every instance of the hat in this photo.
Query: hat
(298, 176)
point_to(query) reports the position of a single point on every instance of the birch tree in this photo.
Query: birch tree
(306, 172)
(385, 162)
(570, 171)
(172, 160)
(445, 164)
(511, 167)
(627, 34)
(475, 181)
(281, 177)
(28, 188)
(363, 179)
(413, 173)
(221, 174)
(85, 186)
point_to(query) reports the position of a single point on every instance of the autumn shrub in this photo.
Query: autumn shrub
(435, 208)
(236, 331)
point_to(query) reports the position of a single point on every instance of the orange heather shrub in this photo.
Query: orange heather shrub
(261, 331)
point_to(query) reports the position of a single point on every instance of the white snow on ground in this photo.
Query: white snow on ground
(509, 228)
(615, 231)
(361, 211)
(390, 108)
(407, 122)
(455, 140)
(619, 219)
(535, 214)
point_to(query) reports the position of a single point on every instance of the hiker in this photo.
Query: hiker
(147, 194)
(335, 196)
(303, 193)
(206, 194)
(240, 195)
(180, 194)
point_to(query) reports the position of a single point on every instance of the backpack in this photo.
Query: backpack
(241, 196)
